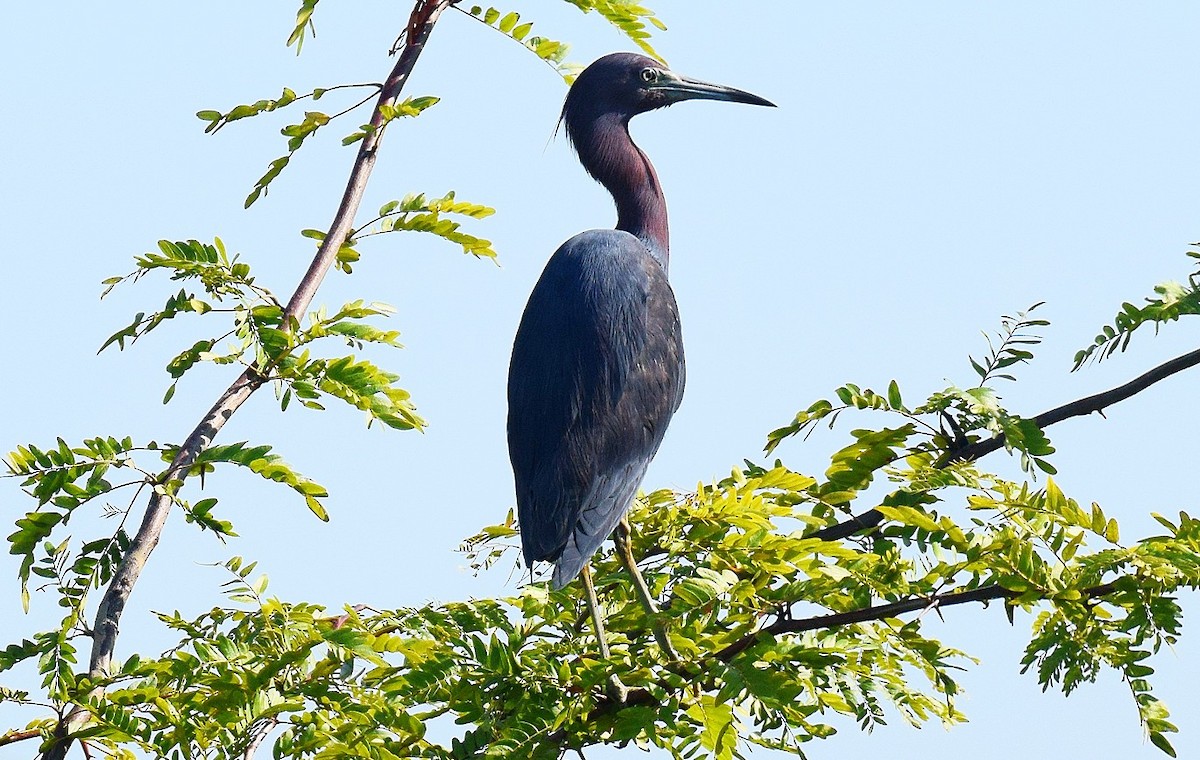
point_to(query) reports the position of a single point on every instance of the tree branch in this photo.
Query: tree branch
(108, 615)
(643, 696)
(258, 736)
(879, 612)
(1094, 403)
(14, 736)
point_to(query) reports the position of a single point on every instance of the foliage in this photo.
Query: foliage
(630, 18)
(948, 421)
(759, 609)
(553, 52)
(1173, 300)
(783, 634)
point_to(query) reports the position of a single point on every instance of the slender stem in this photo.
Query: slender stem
(424, 15)
(1078, 408)
(259, 734)
(12, 737)
(625, 557)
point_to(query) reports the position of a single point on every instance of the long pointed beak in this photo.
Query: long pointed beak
(678, 88)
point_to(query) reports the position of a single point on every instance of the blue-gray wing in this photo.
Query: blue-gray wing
(597, 371)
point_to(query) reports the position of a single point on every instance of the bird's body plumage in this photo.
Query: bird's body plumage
(600, 371)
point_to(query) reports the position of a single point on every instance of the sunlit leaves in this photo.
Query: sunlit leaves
(1172, 300)
(1010, 346)
(258, 337)
(629, 17)
(408, 107)
(551, 51)
(259, 460)
(304, 24)
(417, 213)
(770, 619)
(218, 119)
(63, 478)
(297, 133)
(220, 275)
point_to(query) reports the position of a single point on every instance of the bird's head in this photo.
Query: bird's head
(627, 84)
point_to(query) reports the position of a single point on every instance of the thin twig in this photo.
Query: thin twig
(420, 24)
(298, 98)
(554, 66)
(425, 14)
(12, 737)
(1084, 406)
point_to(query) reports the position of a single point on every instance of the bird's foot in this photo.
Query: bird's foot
(617, 691)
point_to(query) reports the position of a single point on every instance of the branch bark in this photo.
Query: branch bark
(108, 615)
(1084, 406)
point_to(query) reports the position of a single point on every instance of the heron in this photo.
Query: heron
(597, 367)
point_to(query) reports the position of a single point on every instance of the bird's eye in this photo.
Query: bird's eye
(649, 75)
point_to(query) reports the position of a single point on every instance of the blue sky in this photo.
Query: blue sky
(930, 167)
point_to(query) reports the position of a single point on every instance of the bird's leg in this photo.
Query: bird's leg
(625, 556)
(616, 689)
(589, 591)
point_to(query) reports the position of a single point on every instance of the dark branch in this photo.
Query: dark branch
(1090, 404)
(784, 626)
(879, 612)
(1079, 408)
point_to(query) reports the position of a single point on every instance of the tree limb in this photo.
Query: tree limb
(108, 615)
(1094, 403)
(642, 696)
(879, 612)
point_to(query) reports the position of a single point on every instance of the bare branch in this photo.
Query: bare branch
(108, 615)
(1084, 406)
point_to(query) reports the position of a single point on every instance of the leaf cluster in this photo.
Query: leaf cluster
(417, 213)
(1172, 301)
(629, 17)
(553, 52)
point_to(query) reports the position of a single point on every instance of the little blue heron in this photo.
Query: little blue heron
(597, 366)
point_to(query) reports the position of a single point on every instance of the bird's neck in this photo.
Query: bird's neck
(610, 155)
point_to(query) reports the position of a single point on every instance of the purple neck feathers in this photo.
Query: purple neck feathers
(610, 155)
